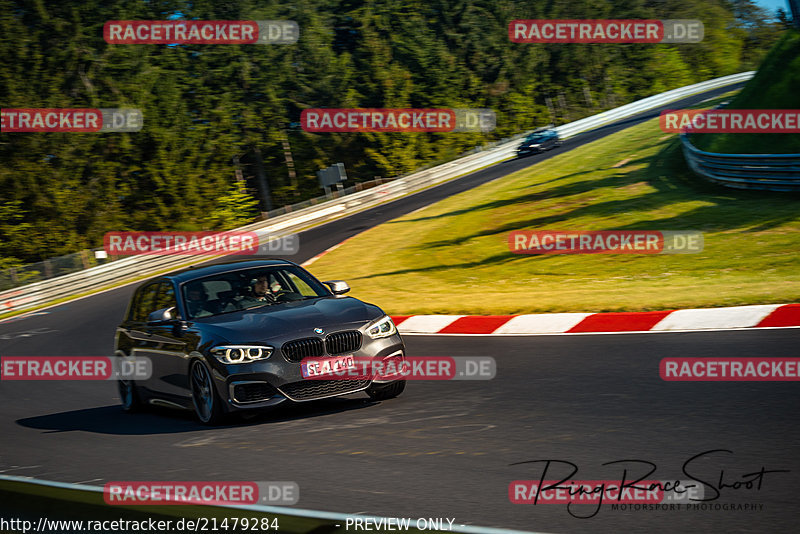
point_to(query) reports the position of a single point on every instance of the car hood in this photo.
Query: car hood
(291, 319)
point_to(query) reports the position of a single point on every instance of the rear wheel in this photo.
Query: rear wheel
(387, 391)
(129, 397)
(207, 406)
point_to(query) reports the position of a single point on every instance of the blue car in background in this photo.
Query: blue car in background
(538, 142)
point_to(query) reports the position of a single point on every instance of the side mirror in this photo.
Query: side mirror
(164, 316)
(338, 287)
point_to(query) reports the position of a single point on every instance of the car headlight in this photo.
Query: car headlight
(241, 353)
(384, 327)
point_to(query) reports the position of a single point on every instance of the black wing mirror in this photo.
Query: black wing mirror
(163, 316)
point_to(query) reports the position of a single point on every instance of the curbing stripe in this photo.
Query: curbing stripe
(701, 319)
(544, 323)
(476, 325)
(620, 322)
(788, 315)
(428, 324)
(735, 317)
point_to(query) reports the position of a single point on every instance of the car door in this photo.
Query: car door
(166, 345)
(549, 141)
(132, 336)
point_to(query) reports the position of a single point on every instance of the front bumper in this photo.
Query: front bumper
(267, 383)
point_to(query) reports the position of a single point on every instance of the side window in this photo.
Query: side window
(165, 296)
(144, 302)
(134, 302)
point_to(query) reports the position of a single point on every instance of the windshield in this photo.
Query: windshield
(251, 288)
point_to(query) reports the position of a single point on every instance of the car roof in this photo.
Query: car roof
(193, 273)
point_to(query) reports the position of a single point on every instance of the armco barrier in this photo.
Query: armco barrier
(649, 103)
(137, 267)
(40, 500)
(773, 172)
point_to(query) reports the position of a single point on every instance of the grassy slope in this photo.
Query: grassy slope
(452, 257)
(775, 86)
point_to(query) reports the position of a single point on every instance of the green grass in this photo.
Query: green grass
(776, 85)
(452, 256)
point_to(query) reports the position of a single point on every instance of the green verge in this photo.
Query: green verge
(452, 257)
(775, 86)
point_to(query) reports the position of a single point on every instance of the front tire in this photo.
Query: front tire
(207, 406)
(387, 391)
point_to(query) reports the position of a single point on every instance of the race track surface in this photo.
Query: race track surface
(442, 449)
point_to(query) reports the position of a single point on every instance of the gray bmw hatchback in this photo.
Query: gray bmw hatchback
(234, 337)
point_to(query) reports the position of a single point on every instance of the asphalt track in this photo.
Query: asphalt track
(442, 449)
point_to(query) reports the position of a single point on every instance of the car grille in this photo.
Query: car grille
(317, 389)
(297, 350)
(253, 392)
(341, 342)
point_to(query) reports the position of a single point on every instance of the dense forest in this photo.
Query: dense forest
(217, 117)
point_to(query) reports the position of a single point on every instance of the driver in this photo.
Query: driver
(261, 289)
(259, 293)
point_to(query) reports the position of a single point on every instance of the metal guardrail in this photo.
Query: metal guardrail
(36, 500)
(649, 103)
(773, 172)
(133, 268)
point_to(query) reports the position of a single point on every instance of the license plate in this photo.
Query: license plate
(327, 366)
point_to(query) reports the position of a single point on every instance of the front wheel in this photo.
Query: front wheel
(387, 391)
(207, 406)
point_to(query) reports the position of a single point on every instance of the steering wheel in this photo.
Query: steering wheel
(285, 296)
